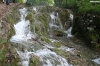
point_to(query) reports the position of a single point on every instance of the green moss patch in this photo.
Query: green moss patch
(92, 35)
(45, 39)
(30, 17)
(64, 15)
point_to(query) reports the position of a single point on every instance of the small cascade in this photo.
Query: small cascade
(51, 58)
(34, 8)
(97, 61)
(24, 56)
(53, 23)
(54, 18)
(22, 28)
(22, 37)
(70, 28)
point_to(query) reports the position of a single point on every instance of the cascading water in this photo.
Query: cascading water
(23, 34)
(54, 17)
(22, 28)
(52, 25)
(97, 61)
(70, 29)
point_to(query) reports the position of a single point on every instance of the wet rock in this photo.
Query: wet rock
(67, 24)
(35, 61)
(59, 33)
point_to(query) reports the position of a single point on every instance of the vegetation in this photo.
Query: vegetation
(39, 2)
(45, 39)
(79, 5)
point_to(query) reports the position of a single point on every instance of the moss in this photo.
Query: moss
(92, 35)
(43, 18)
(47, 9)
(58, 44)
(30, 17)
(38, 31)
(45, 39)
(11, 20)
(64, 15)
(59, 33)
(2, 40)
(34, 62)
(12, 31)
(60, 52)
(3, 49)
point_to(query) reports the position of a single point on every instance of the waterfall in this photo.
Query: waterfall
(54, 18)
(24, 57)
(22, 28)
(70, 28)
(22, 36)
(53, 23)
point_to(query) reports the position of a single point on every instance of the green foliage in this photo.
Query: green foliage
(21, 1)
(80, 6)
(39, 2)
(66, 3)
(86, 6)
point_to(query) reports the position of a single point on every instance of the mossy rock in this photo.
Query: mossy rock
(44, 19)
(30, 17)
(60, 52)
(46, 9)
(57, 44)
(45, 39)
(64, 15)
(92, 35)
(35, 61)
(59, 33)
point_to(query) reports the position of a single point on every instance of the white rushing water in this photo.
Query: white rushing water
(55, 16)
(53, 23)
(34, 8)
(23, 33)
(70, 29)
(22, 28)
(97, 61)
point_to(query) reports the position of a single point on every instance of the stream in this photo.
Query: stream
(23, 34)
(28, 45)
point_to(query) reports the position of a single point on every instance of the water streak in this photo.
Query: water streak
(70, 29)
